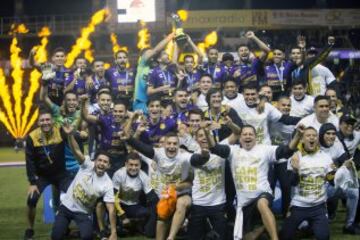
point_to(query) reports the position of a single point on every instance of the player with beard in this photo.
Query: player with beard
(321, 115)
(181, 106)
(121, 78)
(129, 183)
(250, 164)
(45, 164)
(250, 69)
(301, 68)
(310, 167)
(173, 166)
(205, 84)
(276, 72)
(90, 184)
(76, 80)
(214, 68)
(96, 81)
(302, 104)
(103, 106)
(163, 80)
(250, 114)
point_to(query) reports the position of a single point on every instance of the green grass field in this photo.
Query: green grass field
(13, 187)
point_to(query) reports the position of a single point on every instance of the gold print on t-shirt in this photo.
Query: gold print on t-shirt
(80, 195)
(209, 178)
(246, 173)
(311, 182)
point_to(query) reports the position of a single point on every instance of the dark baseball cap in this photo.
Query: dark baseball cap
(347, 118)
(312, 50)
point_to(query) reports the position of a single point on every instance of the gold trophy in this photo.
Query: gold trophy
(180, 36)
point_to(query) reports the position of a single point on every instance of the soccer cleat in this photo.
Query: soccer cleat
(29, 233)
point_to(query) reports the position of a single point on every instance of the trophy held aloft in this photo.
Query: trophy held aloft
(180, 36)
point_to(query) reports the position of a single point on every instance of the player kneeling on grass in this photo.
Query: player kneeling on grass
(310, 167)
(250, 164)
(90, 183)
(173, 166)
(129, 183)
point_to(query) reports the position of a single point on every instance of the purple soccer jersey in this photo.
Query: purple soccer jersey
(249, 72)
(191, 81)
(56, 85)
(121, 82)
(109, 131)
(217, 71)
(160, 77)
(155, 131)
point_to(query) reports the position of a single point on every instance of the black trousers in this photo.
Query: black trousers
(198, 221)
(63, 219)
(61, 181)
(316, 216)
(281, 174)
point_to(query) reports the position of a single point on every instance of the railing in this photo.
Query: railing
(59, 24)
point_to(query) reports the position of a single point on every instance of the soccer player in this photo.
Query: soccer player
(45, 164)
(224, 120)
(250, 164)
(121, 78)
(90, 184)
(250, 114)
(336, 106)
(302, 68)
(163, 80)
(192, 75)
(205, 84)
(231, 96)
(181, 106)
(266, 90)
(321, 115)
(310, 167)
(156, 126)
(142, 73)
(213, 67)
(275, 73)
(322, 77)
(208, 194)
(76, 80)
(348, 135)
(250, 69)
(129, 183)
(302, 104)
(173, 168)
(282, 134)
(60, 73)
(111, 123)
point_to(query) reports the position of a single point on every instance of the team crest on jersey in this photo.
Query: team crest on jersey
(162, 126)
